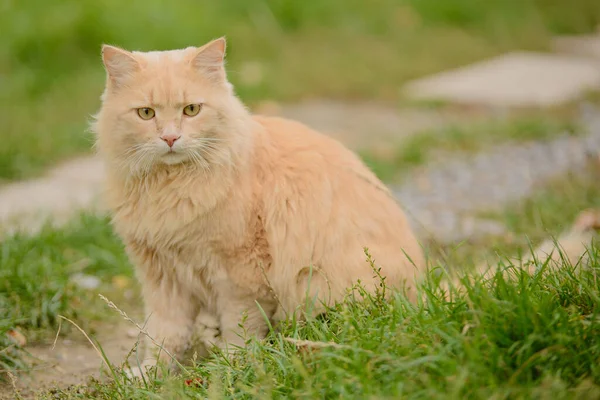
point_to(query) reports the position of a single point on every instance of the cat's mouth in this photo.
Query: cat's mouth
(173, 157)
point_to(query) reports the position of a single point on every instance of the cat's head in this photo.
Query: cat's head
(167, 108)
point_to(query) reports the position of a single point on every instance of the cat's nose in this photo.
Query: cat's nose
(170, 139)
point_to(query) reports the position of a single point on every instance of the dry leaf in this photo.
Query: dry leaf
(17, 337)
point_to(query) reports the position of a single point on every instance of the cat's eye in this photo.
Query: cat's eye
(145, 113)
(191, 110)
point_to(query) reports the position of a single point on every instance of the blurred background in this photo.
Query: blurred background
(284, 51)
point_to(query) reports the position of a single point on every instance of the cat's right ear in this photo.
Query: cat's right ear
(120, 64)
(210, 60)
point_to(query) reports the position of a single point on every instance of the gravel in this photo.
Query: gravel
(442, 199)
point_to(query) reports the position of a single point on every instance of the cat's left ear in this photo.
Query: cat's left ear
(210, 60)
(120, 64)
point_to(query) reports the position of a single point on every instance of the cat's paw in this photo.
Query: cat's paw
(207, 329)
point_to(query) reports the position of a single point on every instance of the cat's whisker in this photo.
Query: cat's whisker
(200, 161)
(204, 153)
(136, 159)
(134, 149)
(150, 161)
(194, 158)
(217, 157)
(143, 161)
(206, 138)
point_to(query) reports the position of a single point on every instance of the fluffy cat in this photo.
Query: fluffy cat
(221, 211)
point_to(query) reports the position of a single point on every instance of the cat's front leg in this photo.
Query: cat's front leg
(242, 317)
(207, 332)
(171, 312)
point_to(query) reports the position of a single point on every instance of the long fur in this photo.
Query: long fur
(250, 210)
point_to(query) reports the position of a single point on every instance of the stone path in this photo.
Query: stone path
(580, 45)
(519, 79)
(442, 199)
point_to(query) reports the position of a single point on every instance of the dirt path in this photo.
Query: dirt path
(73, 360)
(63, 192)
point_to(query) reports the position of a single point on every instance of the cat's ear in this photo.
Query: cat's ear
(120, 64)
(210, 60)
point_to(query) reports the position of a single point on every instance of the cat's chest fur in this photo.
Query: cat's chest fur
(190, 234)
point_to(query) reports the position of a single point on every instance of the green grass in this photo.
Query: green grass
(423, 147)
(535, 337)
(550, 209)
(12, 356)
(35, 272)
(51, 75)
(36, 283)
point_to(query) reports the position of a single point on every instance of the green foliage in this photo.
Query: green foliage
(35, 272)
(552, 208)
(507, 17)
(12, 356)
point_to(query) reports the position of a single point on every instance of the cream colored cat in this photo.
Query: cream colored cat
(222, 211)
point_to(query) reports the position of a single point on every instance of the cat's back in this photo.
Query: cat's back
(290, 135)
(301, 148)
(318, 192)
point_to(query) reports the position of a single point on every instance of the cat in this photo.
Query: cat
(226, 215)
